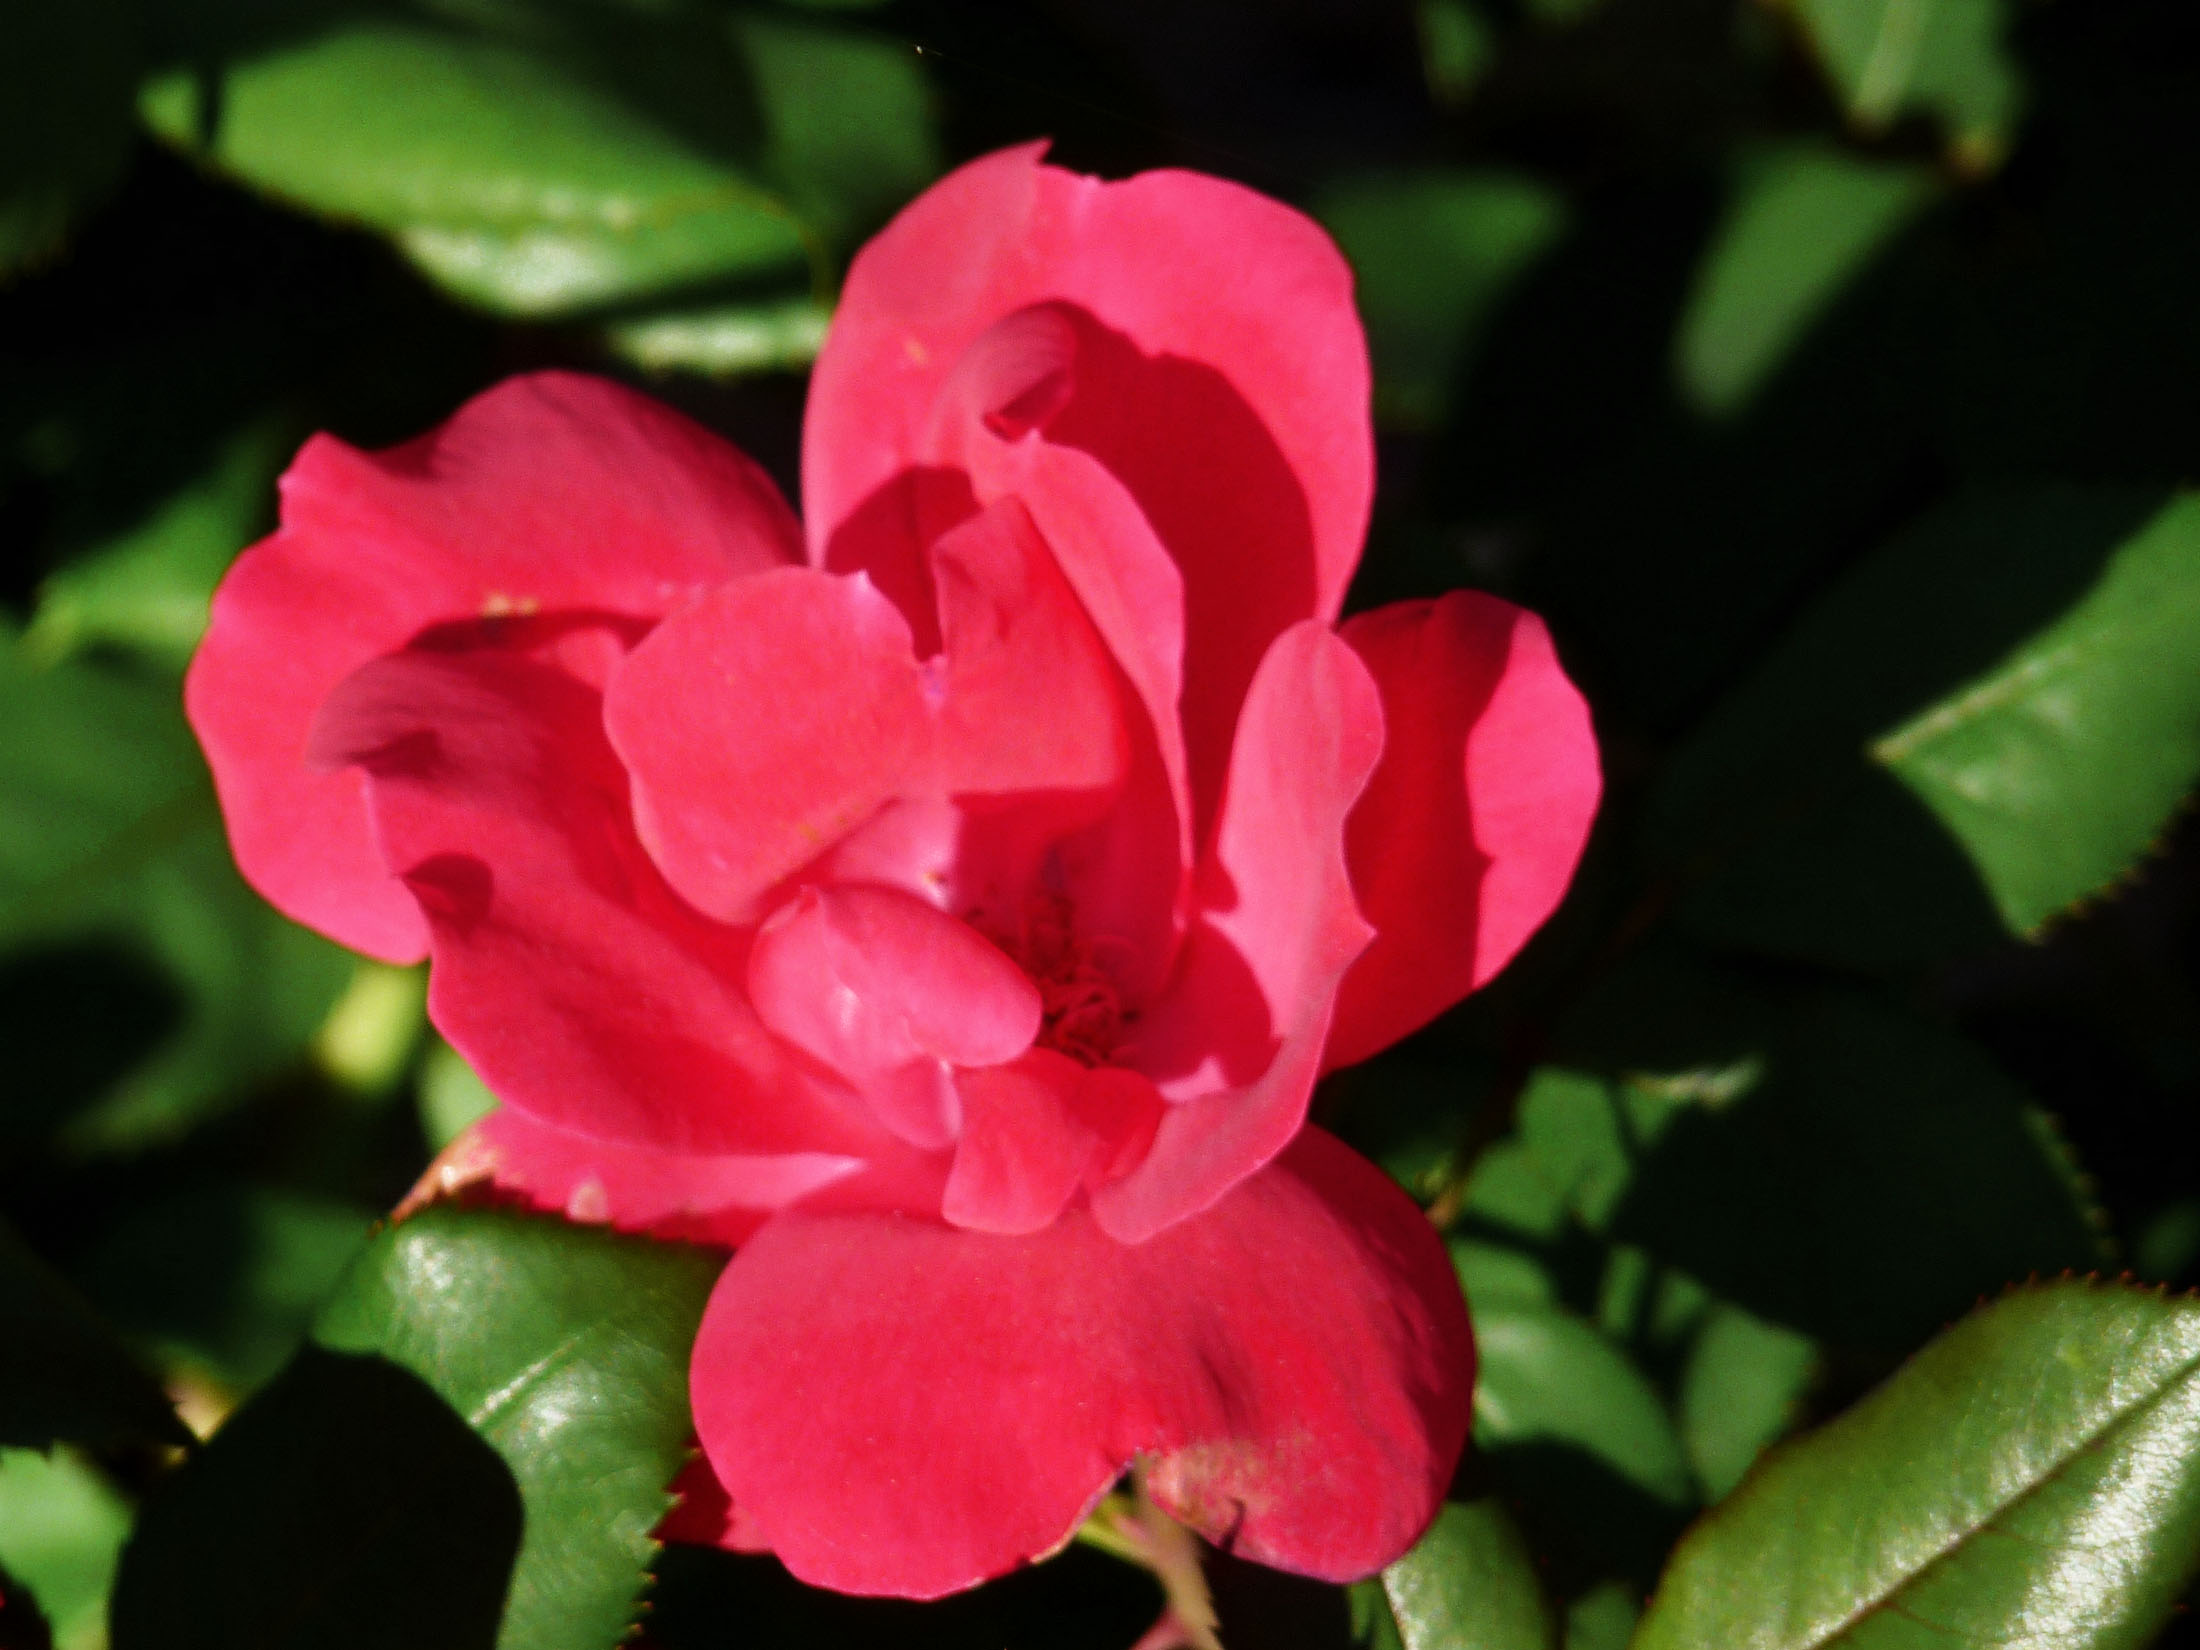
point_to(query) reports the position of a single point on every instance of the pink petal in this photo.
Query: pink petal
(549, 493)
(673, 1195)
(763, 723)
(1236, 1038)
(705, 1516)
(1471, 828)
(1029, 691)
(1036, 1130)
(903, 1408)
(1219, 373)
(890, 992)
(572, 979)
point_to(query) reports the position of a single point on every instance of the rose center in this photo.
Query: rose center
(1080, 1006)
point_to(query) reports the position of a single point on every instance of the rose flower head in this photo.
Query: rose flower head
(949, 902)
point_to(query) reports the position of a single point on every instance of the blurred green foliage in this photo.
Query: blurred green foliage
(1822, 370)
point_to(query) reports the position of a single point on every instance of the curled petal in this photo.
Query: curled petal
(584, 992)
(546, 494)
(1236, 1038)
(1293, 1365)
(1472, 826)
(890, 992)
(1249, 360)
(1036, 1130)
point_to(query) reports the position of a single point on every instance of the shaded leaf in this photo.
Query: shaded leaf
(1802, 221)
(2060, 766)
(148, 588)
(66, 77)
(1876, 1177)
(1468, 1584)
(1602, 1619)
(109, 833)
(62, 1527)
(227, 1275)
(520, 184)
(1433, 253)
(1945, 57)
(2031, 1477)
(344, 1508)
(566, 1349)
(1776, 828)
(64, 1376)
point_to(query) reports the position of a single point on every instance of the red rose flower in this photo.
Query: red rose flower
(952, 903)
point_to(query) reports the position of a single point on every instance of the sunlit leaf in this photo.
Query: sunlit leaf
(520, 183)
(64, 1376)
(849, 131)
(2060, 766)
(725, 341)
(1776, 829)
(1546, 1377)
(1945, 57)
(61, 1529)
(1469, 1584)
(1801, 222)
(1740, 1390)
(346, 1507)
(2032, 1477)
(566, 1348)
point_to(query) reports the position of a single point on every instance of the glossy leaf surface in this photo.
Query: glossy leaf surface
(565, 1348)
(2032, 1477)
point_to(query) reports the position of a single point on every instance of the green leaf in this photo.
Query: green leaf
(2032, 1477)
(1740, 1390)
(1802, 222)
(1602, 1619)
(344, 1508)
(225, 1275)
(62, 1527)
(1945, 57)
(724, 341)
(452, 1096)
(63, 1374)
(1548, 1379)
(566, 1348)
(1877, 1176)
(520, 183)
(148, 588)
(2059, 767)
(110, 840)
(66, 77)
(849, 130)
(1776, 829)
(1458, 47)
(1434, 253)
(1469, 1584)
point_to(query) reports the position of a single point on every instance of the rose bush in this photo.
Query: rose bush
(951, 901)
